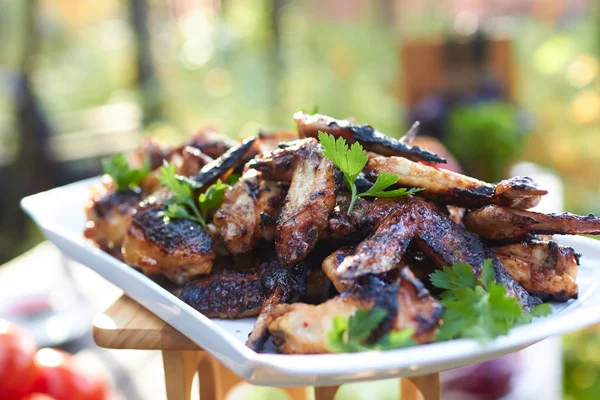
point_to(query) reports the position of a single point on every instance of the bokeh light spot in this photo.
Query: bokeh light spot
(584, 376)
(49, 357)
(585, 108)
(582, 70)
(466, 23)
(553, 55)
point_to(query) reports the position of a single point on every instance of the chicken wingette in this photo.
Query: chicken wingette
(544, 268)
(511, 225)
(448, 187)
(303, 329)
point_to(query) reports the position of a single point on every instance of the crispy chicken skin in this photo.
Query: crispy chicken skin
(242, 290)
(371, 139)
(511, 225)
(210, 142)
(221, 167)
(192, 160)
(271, 141)
(544, 268)
(178, 248)
(302, 329)
(280, 285)
(449, 187)
(308, 204)
(242, 220)
(332, 263)
(108, 215)
(279, 164)
(343, 226)
(227, 294)
(444, 241)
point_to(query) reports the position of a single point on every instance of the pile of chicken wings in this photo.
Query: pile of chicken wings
(281, 247)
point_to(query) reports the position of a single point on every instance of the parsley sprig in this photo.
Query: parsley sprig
(350, 335)
(125, 177)
(182, 204)
(351, 161)
(478, 309)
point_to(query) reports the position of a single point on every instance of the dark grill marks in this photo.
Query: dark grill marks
(172, 234)
(122, 202)
(229, 160)
(372, 140)
(444, 241)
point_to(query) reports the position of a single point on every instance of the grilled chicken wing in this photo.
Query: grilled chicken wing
(449, 187)
(243, 218)
(371, 139)
(280, 285)
(543, 268)
(511, 225)
(279, 164)
(437, 235)
(302, 329)
(178, 248)
(108, 215)
(308, 204)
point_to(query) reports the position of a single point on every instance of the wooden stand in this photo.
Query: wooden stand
(128, 325)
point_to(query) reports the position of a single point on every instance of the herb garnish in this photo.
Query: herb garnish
(125, 177)
(480, 310)
(351, 162)
(182, 204)
(349, 335)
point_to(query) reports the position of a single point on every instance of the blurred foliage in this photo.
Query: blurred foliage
(582, 364)
(485, 138)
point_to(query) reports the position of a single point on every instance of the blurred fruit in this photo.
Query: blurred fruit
(39, 396)
(17, 367)
(487, 380)
(59, 376)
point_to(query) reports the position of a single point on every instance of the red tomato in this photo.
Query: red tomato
(59, 377)
(17, 369)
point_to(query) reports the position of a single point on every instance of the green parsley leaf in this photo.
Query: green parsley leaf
(459, 276)
(180, 188)
(384, 181)
(349, 335)
(351, 161)
(122, 174)
(212, 198)
(233, 178)
(488, 276)
(480, 310)
(541, 310)
(363, 322)
(183, 205)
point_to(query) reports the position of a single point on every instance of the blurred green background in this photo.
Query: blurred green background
(83, 79)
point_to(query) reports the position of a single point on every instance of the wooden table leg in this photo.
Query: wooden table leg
(325, 392)
(180, 368)
(423, 387)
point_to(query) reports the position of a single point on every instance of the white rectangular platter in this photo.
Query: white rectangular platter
(59, 213)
